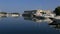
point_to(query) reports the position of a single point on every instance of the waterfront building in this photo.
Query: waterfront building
(13, 14)
(3, 14)
(29, 13)
(41, 13)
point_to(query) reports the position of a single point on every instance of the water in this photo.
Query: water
(15, 25)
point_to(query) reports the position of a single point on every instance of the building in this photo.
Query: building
(13, 14)
(41, 13)
(3, 14)
(29, 13)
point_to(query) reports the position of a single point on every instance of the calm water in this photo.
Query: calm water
(25, 25)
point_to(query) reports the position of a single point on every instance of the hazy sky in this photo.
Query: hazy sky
(21, 5)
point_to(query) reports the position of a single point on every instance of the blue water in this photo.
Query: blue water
(10, 25)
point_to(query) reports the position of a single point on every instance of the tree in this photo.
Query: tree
(57, 10)
(3, 13)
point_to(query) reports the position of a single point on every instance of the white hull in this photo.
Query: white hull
(57, 17)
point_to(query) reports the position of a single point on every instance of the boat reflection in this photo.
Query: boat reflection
(55, 25)
(38, 19)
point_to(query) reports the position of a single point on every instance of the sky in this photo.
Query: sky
(22, 5)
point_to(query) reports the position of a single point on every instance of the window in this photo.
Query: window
(43, 12)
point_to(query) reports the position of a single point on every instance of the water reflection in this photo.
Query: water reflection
(52, 23)
(37, 19)
(55, 24)
(3, 17)
(17, 25)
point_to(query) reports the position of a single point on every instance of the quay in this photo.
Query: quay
(5, 14)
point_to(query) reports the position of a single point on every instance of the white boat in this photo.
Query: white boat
(57, 17)
(48, 16)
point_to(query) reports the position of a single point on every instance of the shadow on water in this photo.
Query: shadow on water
(55, 24)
